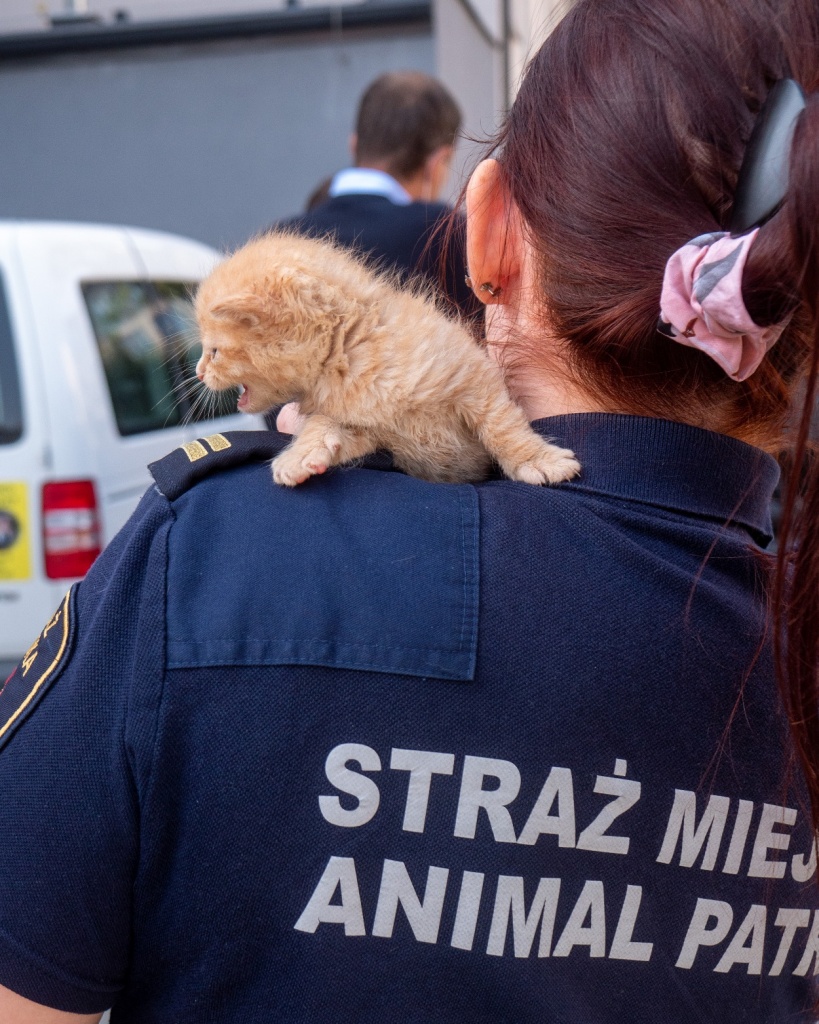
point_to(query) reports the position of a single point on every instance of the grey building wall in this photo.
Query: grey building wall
(213, 140)
(470, 62)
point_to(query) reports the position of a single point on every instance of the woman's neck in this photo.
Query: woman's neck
(543, 386)
(541, 396)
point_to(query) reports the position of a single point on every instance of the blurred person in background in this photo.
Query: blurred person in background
(375, 749)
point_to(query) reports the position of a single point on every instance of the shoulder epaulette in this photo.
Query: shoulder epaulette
(177, 472)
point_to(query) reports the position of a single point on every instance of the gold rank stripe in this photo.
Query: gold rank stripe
(195, 450)
(218, 442)
(48, 672)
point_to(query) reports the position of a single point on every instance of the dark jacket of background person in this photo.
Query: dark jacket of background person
(410, 238)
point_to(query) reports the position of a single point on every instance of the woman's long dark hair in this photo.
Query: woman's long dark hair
(796, 584)
(624, 142)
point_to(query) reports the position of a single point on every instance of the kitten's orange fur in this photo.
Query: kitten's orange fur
(371, 365)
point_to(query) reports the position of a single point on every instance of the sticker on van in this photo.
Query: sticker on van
(15, 555)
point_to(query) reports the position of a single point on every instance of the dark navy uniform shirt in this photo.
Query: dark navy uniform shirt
(375, 749)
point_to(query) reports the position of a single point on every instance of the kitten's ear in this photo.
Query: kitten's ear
(309, 293)
(240, 309)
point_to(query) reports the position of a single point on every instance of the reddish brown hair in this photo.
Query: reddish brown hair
(624, 142)
(796, 586)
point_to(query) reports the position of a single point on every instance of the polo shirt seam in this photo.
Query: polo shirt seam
(328, 643)
(467, 644)
(463, 571)
(152, 743)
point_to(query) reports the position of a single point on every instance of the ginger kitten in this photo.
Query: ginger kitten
(371, 366)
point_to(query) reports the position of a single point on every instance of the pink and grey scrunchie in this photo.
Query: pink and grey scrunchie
(702, 306)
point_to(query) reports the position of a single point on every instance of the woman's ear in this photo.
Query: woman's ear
(494, 236)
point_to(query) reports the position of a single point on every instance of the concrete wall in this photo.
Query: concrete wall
(481, 50)
(216, 139)
(530, 21)
(212, 140)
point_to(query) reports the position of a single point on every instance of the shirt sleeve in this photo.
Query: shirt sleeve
(77, 722)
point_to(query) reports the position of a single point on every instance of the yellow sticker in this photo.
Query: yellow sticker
(194, 450)
(15, 551)
(218, 442)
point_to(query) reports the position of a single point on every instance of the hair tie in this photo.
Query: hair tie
(702, 305)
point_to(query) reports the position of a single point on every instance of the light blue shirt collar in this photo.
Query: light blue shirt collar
(367, 181)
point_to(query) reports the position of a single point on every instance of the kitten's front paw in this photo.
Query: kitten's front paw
(292, 467)
(552, 466)
(289, 469)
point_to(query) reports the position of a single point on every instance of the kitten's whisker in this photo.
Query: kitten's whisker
(169, 358)
(184, 333)
(180, 347)
(191, 411)
(188, 387)
(177, 394)
(199, 403)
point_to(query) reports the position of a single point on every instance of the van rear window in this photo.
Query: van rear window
(11, 412)
(149, 347)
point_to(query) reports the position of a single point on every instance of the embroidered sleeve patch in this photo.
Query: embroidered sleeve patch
(39, 669)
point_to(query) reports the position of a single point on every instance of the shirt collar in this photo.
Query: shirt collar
(671, 466)
(367, 181)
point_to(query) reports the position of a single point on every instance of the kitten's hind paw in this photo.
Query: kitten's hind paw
(552, 466)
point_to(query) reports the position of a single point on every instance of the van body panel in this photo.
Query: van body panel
(51, 274)
(26, 598)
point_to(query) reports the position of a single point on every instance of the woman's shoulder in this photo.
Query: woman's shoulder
(360, 568)
(228, 477)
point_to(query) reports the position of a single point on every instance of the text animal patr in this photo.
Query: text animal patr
(710, 833)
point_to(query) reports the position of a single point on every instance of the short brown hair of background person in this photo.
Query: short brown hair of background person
(404, 117)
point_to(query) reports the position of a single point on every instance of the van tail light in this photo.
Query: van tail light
(71, 528)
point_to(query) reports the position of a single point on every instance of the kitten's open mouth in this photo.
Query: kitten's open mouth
(244, 398)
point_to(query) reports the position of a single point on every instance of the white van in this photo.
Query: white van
(97, 351)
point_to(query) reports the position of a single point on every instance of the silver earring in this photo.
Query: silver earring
(494, 292)
(469, 284)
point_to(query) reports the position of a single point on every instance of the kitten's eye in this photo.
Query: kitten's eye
(213, 353)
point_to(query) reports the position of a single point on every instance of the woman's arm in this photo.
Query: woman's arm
(15, 1009)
